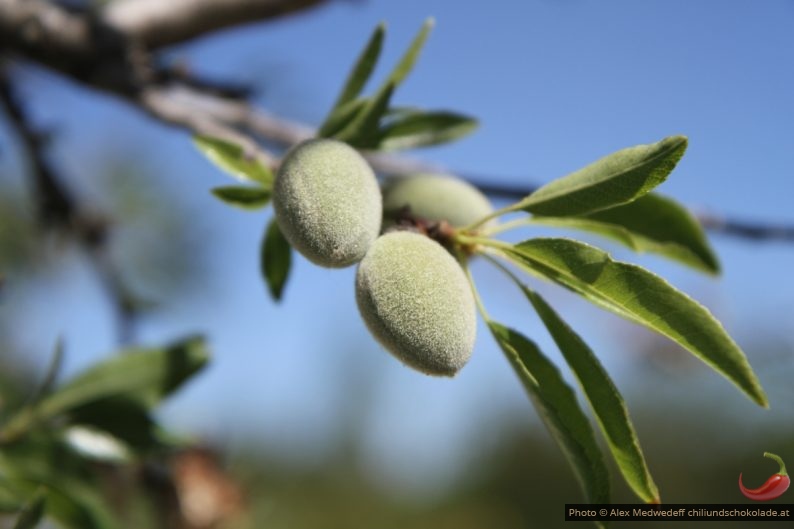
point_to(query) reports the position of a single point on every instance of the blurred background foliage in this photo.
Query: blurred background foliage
(300, 421)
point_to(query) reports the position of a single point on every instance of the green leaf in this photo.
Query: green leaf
(363, 68)
(32, 512)
(10, 500)
(54, 368)
(76, 505)
(423, 129)
(249, 198)
(231, 158)
(652, 223)
(340, 117)
(637, 294)
(616, 179)
(409, 58)
(605, 400)
(558, 407)
(362, 130)
(276, 259)
(124, 418)
(74, 498)
(142, 375)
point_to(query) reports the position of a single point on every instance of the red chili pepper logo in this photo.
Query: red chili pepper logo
(776, 485)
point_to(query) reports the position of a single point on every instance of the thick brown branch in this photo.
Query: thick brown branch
(157, 23)
(41, 27)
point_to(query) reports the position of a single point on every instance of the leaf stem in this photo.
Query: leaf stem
(498, 213)
(503, 268)
(507, 226)
(477, 298)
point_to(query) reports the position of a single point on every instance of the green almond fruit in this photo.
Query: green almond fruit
(417, 302)
(327, 202)
(435, 198)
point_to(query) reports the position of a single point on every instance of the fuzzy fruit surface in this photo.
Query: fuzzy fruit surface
(327, 202)
(435, 198)
(415, 299)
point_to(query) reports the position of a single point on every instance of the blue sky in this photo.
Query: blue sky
(556, 85)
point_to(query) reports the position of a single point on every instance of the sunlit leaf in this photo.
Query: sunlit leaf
(232, 159)
(637, 294)
(97, 444)
(604, 398)
(652, 223)
(557, 405)
(616, 179)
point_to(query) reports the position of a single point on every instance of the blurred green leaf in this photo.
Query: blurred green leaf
(10, 500)
(652, 223)
(231, 158)
(96, 444)
(424, 129)
(78, 506)
(616, 179)
(362, 130)
(605, 400)
(276, 259)
(54, 368)
(637, 294)
(557, 405)
(32, 512)
(340, 117)
(363, 68)
(243, 197)
(126, 419)
(411, 55)
(142, 375)
(74, 497)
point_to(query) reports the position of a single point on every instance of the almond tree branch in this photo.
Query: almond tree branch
(112, 51)
(157, 23)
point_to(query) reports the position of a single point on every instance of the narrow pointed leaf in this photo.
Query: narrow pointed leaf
(637, 294)
(32, 512)
(424, 129)
(604, 398)
(362, 131)
(54, 368)
(409, 58)
(249, 198)
(616, 179)
(231, 158)
(557, 405)
(363, 68)
(341, 117)
(652, 223)
(276, 259)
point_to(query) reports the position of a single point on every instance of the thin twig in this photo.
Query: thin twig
(58, 209)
